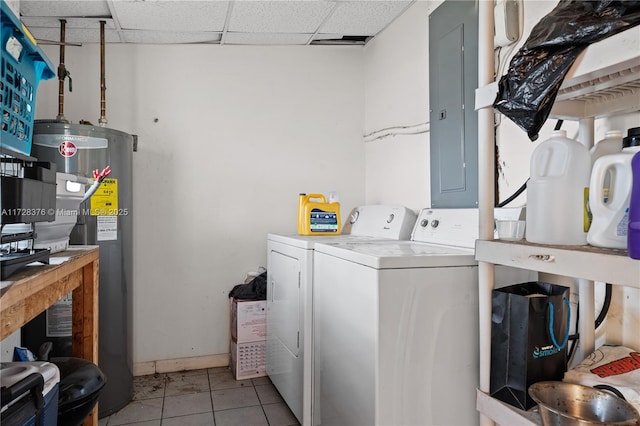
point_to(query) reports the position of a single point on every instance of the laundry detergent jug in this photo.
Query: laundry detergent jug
(318, 217)
(560, 170)
(610, 144)
(610, 212)
(301, 200)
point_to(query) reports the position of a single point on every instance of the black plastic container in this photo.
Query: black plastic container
(81, 382)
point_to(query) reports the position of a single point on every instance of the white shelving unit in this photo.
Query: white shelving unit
(605, 92)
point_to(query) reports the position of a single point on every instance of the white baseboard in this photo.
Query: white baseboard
(180, 364)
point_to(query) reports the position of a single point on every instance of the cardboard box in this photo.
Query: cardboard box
(248, 320)
(248, 360)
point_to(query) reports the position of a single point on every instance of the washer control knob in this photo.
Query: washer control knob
(424, 223)
(435, 223)
(390, 218)
(354, 216)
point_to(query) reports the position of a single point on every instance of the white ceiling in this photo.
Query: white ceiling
(252, 22)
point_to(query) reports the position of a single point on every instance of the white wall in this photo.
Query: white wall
(228, 137)
(397, 98)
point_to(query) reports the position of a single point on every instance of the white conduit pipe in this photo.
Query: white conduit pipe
(399, 130)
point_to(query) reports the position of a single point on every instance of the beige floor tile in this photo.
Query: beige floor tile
(138, 411)
(183, 385)
(247, 416)
(268, 394)
(225, 380)
(183, 405)
(261, 381)
(147, 387)
(202, 419)
(279, 415)
(226, 399)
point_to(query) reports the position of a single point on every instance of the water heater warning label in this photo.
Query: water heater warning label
(58, 317)
(104, 202)
(107, 228)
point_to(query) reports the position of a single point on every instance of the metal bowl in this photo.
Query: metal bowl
(572, 404)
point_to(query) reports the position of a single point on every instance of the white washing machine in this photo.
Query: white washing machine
(289, 297)
(396, 326)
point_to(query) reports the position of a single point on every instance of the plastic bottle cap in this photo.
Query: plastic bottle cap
(632, 139)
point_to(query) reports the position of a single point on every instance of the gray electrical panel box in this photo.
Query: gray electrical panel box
(453, 78)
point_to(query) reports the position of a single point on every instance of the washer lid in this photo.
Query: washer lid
(307, 242)
(399, 254)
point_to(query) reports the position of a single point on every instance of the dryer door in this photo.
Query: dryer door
(288, 280)
(284, 301)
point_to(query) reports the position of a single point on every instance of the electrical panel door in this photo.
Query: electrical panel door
(453, 78)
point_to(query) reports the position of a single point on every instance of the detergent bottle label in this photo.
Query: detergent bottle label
(588, 216)
(323, 221)
(623, 226)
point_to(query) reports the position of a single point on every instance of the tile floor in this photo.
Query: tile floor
(203, 398)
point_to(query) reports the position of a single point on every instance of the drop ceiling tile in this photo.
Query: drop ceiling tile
(64, 8)
(266, 38)
(363, 18)
(173, 37)
(280, 16)
(270, 20)
(171, 15)
(54, 22)
(323, 36)
(78, 35)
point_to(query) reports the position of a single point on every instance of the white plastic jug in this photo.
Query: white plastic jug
(609, 202)
(611, 144)
(560, 170)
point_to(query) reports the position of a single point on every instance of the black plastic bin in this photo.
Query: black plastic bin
(81, 382)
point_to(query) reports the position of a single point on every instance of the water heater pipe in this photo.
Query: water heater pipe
(103, 88)
(62, 72)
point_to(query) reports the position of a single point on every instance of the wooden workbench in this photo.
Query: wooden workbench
(33, 289)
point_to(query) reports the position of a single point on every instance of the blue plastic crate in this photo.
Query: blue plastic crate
(23, 65)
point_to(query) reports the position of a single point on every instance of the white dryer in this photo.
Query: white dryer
(396, 326)
(290, 297)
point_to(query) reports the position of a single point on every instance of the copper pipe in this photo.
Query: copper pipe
(103, 88)
(62, 71)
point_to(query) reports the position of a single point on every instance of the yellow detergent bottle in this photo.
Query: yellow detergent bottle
(301, 201)
(318, 217)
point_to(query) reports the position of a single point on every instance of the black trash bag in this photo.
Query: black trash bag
(528, 90)
(256, 289)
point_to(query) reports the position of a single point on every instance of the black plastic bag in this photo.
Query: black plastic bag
(528, 90)
(256, 289)
(529, 334)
